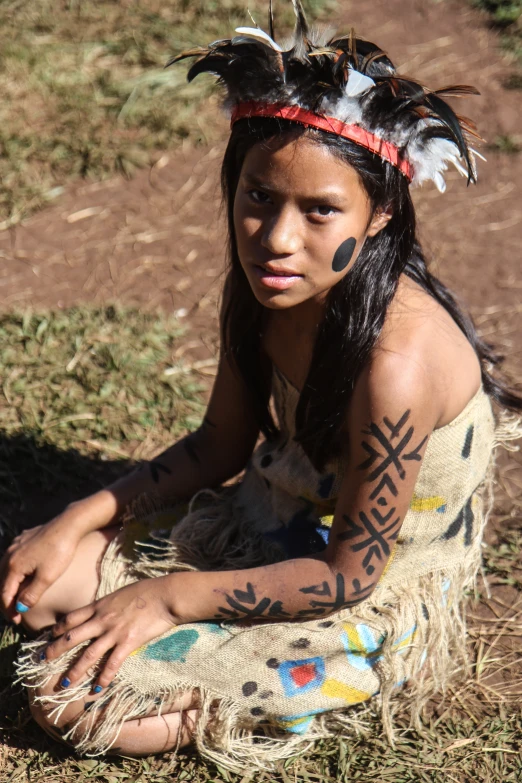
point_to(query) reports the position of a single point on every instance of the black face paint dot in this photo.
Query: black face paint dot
(300, 644)
(249, 688)
(425, 612)
(257, 711)
(266, 460)
(272, 663)
(326, 624)
(343, 254)
(266, 694)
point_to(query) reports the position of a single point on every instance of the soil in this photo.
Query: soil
(159, 239)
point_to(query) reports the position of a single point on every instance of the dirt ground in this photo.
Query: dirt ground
(158, 240)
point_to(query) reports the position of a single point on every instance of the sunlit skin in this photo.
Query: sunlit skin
(296, 202)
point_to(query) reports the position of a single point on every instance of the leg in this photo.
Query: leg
(76, 587)
(137, 737)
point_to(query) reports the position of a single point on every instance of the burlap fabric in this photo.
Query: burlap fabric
(269, 689)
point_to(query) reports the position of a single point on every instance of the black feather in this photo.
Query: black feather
(271, 21)
(445, 114)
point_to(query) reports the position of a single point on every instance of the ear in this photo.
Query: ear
(379, 221)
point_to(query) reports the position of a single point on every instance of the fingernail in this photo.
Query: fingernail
(43, 656)
(65, 682)
(97, 689)
(22, 608)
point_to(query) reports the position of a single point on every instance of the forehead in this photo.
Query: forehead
(300, 163)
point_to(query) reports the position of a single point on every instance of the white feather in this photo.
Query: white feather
(357, 83)
(256, 32)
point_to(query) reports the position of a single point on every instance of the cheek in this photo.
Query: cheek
(343, 254)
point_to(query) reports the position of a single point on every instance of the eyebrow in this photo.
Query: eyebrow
(335, 199)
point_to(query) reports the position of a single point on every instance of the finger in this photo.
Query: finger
(73, 620)
(70, 639)
(11, 586)
(89, 658)
(30, 595)
(111, 667)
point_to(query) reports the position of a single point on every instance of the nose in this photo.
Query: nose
(281, 235)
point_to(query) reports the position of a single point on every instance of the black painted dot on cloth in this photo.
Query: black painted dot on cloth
(249, 688)
(272, 663)
(326, 624)
(266, 460)
(257, 711)
(425, 612)
(266, 694)
(300, 644)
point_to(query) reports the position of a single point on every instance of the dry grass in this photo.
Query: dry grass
(88, 389)
(83, 91)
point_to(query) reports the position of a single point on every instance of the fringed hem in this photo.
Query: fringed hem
(220, 732)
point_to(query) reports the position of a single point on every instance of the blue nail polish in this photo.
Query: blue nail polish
(43, 656)
(65, 682)
(21, 608)
(97, 689)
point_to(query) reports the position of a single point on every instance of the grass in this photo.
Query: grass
(83, 91)
(86, 390)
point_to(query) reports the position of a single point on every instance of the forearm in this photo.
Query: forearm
(303, 588)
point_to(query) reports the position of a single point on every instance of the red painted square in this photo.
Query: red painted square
(302, 675)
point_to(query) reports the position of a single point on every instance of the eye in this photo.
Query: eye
(258, 197)
(324, 210)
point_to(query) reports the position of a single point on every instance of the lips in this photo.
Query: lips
(277, 277)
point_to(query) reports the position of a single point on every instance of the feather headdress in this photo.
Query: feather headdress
(343, 85)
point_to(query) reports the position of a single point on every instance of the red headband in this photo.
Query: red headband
(353, 132)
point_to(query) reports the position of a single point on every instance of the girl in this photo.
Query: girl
(253, 618)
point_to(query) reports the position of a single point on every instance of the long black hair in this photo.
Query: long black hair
(356, 306)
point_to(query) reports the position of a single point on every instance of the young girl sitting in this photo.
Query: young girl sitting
(251, 617)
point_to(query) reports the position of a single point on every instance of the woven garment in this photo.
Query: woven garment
(269, 689)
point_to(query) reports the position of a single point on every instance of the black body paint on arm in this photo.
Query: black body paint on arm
(343, 254)
(156, 468)
(382, 529)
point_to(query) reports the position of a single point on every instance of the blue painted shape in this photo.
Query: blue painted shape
(291, 688)
(367, 652)
(173, 647)
(325, 485)
(299, 724)
(441, 509)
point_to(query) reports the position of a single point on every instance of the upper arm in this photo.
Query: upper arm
(230, 419)
(391, 416)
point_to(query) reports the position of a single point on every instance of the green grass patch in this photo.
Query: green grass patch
(88, 388)
(83, 91)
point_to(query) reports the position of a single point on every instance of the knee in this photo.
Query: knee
(39, 618)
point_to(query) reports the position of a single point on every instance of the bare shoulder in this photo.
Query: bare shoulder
(421, 346)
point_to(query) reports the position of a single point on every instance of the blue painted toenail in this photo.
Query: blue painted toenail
(21, 608)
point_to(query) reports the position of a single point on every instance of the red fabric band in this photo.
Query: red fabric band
(353, 132)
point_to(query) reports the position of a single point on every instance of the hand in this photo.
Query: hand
(122, 622)
(35, 559)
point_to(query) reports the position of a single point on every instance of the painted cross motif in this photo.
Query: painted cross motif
(388, 447)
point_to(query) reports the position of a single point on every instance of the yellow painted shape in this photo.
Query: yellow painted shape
(354, 639)
(427, 504)
(338, 690)
(328, 520)
(138, 651)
